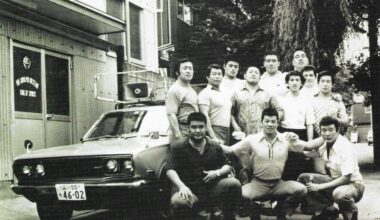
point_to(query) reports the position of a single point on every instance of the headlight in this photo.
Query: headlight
(26, 170)
(128, 165)
(112, 166)
(40, 169)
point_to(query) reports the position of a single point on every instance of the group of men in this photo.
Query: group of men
(284, 132)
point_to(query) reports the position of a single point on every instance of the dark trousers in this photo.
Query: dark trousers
(225, 193)
(345, 195)
(296, 163)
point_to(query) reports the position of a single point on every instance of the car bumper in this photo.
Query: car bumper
(100, 193)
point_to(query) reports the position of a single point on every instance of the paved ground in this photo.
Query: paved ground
(14, 207)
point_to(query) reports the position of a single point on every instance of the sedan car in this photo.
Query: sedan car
(119, 164)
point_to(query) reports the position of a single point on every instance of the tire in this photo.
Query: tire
(54, 211)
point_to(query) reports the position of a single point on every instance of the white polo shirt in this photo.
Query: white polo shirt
(342, 160)
(273, 84)
(219, 106)
(228, 87)
(267, 159)
(297, 111)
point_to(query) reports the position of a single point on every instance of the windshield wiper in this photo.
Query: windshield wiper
(101, 137)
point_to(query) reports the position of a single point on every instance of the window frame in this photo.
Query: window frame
(128, 36)
(160, 13)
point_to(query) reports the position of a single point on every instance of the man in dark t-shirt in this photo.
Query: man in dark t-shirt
(198, 169)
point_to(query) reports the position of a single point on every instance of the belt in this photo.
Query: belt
(266, 181)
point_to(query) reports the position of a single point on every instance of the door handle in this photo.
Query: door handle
(49, 116)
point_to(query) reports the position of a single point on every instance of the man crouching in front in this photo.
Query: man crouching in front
(199, 170)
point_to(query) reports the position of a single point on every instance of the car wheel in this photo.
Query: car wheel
(54, 211)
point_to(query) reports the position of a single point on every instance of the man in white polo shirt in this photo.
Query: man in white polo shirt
(216, 106)
(272, 80)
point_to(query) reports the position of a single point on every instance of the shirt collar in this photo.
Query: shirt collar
(244, 87)
(188, 145)
(211, 87)
(278, 137)
(334, 146)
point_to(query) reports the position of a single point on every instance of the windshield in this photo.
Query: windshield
(131, 123)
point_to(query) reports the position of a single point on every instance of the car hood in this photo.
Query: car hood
(116, 146)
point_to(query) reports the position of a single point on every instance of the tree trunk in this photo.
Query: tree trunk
(375, 77)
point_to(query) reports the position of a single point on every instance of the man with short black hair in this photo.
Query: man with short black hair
(310, 87)
(249, 101)
(199, 170)
(272, 80)
(266, 152)
(300, 60)
(324, 104)
(343, 183)
(298, 118)
(181, 100)
(230, 83)
(216, 106)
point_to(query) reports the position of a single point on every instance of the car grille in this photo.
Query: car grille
(63, 168)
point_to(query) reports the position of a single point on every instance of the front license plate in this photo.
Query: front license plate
(74, 191)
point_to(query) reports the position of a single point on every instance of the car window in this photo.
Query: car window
(131, 122)
(155, 120)
(118, 123)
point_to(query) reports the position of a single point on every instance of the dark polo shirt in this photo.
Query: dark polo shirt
(190, 164)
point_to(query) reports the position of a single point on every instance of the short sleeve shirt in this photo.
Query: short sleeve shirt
(297, 111)
(247, 107)
(341, 160)
(219, 106)
(275, 85)
(190, 164)
(327, 107)
(182, 101)
(267, 158)
(229, 87)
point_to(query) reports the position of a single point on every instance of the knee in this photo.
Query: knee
(179, 203)
(300, 190)
(340, 196)
(231, 184)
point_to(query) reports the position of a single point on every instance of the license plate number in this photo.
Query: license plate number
(70, 191)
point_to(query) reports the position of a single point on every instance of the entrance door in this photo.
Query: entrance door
(57, 112)
(41, 98)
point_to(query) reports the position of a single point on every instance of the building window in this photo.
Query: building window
(135, 15)
(110, 7)
(184, 12)
(163, 23)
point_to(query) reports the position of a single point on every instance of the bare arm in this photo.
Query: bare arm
(342, 115)
(296, 143)
(310, 132)
(184, 191)
(226, 149)
(234, 124)
(213, 174)
(329, 185)
(173, 121)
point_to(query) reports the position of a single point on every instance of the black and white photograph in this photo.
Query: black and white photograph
(189, 109)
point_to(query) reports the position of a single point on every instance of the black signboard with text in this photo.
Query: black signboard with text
(27, 80)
